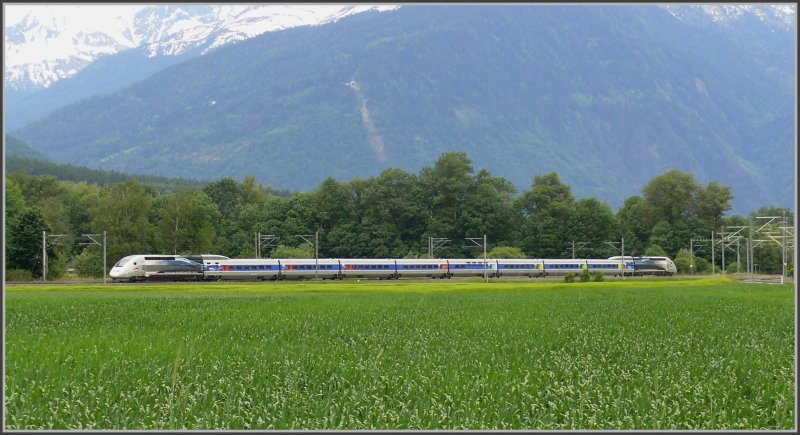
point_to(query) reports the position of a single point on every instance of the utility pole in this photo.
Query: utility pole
(261, 238)
(95, 242)
(435, 243)
(723, 249)
(44, 256)
(55, 239)
(693, 243)
(750, 258)
(475, 241)
(713, 271)
(783, 250)
(622, 254)
(316, 250)
(577, 246)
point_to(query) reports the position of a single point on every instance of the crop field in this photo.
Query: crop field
(640, 354)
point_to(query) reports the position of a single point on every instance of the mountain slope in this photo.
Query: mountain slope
(52, 42)
(18, 148)
(606, 96)
(105, 47)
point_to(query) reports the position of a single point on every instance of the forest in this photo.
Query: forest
(392, 215)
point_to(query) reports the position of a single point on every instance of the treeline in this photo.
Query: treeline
(393, 215)
(33, 166)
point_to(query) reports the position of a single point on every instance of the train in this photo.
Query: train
(210, 267)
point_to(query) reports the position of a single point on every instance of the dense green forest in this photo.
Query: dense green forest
(392, 215)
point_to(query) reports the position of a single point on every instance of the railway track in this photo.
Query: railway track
(352, 280)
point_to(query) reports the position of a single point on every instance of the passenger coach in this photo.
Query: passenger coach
(218, 267)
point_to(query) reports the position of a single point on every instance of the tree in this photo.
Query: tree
(186, 225)
(205, 220)
(299, 216)
(333, 204)
(251, 192)
(15, 205)
(392, 207)
(446, 184)
(489, 208)
(669, 197)
(122, 211)
(80, 199)
(445, 187)
(711, 203)
(547, 209)
(224, 193)
(661, 236)
(594, 222)
(632, 225)
(25, 250)
(15, 201)
(50, 196)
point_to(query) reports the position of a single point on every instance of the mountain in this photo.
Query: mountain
(52, 42)
(18, 148)
(607, 96)
(109, 46)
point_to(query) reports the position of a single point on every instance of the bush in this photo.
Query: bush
(655, 250)
(597, 276)
(89, 264)
(701, 265)
(302, 251)
(683, 261)
(18, 275)
(585, 275)
(505, 252)
(569, 277)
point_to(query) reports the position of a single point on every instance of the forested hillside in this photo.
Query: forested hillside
(606, 96)
(103, 76)
(391, 215)
(17, 148)
(37, 167)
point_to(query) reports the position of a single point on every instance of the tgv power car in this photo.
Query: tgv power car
(217, 267)
(171, 267)
(658, 266)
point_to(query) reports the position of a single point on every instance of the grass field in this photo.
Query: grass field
(669, 354)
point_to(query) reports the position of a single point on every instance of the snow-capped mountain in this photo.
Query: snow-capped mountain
(781, 15)
(47, 43)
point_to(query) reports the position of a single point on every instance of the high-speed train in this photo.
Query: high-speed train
(218, 267)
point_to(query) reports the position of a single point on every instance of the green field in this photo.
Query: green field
(669, 354)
